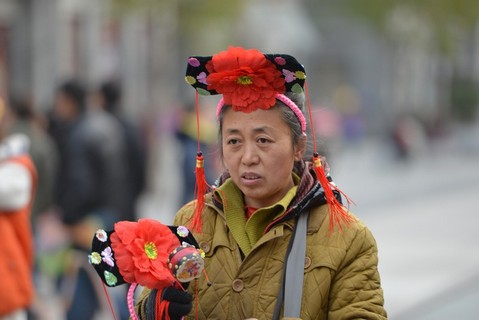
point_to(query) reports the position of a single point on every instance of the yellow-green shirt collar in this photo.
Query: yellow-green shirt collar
(248, 232)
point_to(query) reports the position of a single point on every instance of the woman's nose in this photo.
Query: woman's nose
(250, 155)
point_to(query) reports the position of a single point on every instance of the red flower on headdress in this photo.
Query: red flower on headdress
(246, 79)
(141, 252)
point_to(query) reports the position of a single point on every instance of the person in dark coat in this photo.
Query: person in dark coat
(91, 187)
(109, 98)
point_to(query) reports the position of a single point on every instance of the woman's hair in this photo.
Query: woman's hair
(286, 113)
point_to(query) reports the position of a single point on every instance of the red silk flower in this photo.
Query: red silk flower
(141, 252)
(245, 78)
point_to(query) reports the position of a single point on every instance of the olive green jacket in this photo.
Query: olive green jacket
(341, 280)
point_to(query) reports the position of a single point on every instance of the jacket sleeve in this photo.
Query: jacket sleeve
(356, 289)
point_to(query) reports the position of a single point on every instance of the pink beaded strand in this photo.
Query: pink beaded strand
(131, 305)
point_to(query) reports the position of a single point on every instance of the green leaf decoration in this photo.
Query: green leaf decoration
(110, 278)
(203, 92)
(296, 88)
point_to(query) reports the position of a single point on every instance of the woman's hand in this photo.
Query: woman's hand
(168, 303)
(181, 302)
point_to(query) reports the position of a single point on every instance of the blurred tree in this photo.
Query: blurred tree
(454, 26)
(444, 16)
(452, 37)
(464, 99)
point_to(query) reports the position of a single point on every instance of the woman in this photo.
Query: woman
(267, 197)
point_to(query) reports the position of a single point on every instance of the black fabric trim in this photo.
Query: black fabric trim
(150, 306)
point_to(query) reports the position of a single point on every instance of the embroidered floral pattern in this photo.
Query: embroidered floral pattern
(108, 256)
(194, 62)
(190, 80)
(300, 75)
(182, 231)
(101, 235)
(289, 76)
(202, 78)
(138, 252)
(94, 258)
(280, 61)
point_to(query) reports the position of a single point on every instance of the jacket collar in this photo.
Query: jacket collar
(310, 194)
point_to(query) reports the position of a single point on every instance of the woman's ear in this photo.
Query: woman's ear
(300, 148)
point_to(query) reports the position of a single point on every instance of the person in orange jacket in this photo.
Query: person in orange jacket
(17, 190)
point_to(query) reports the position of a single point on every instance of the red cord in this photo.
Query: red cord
(109, 301)
(197, 109)
(310, 113)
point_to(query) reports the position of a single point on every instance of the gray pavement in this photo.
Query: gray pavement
(423, 215)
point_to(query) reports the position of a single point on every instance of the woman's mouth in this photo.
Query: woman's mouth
(250, 178)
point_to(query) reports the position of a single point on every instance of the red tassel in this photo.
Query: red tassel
(161, 306)
(200, 191)
(337, 212)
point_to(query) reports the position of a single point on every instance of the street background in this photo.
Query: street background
(394, 90)
(424, 218)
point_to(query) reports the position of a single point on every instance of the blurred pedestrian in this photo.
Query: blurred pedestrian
(109, 97)
(25, 120)
(18, 180)
(43, 151)
(347, 101)
(93, 166)
(408, 136)
(90, 188)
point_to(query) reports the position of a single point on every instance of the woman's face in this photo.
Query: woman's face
(259, 154)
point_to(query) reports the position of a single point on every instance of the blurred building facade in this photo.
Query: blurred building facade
(44, 42)
(396, 70)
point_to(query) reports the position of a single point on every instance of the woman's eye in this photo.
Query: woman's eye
(263, 140)
(232, 141)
